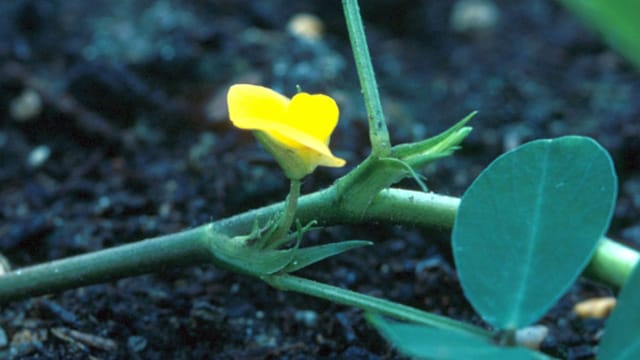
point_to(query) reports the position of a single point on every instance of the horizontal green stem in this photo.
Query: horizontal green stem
(413, 208)
(612, 262)
(398, 206)
(180, 249)
(369, 303)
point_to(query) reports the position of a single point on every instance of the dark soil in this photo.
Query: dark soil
(113, 128)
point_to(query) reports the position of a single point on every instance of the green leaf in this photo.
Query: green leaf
(621, 340)
(616, 20)
(436, 147)
(311, 255)
(529, 224)
(431, 343)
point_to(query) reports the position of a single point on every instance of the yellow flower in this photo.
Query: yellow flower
(295, 131)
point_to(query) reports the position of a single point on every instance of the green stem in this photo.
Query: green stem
(409, 207)
(612, 263)
(405, 207)
(378, 133)
(369, 303)
(279, 237)
(186, 248)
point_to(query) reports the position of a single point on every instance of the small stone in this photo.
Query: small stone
(470, 16)
(532, 336)
(235, 287)
(306, 26)
(26, 106)
(5, 266)
(4, 341)
(597, 308)
(38, 156)
(103, 204)
(137, 343)
(24, 342)
(308, 317)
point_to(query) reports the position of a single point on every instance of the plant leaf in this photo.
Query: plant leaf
(311, 255)
(529, 224)
(616, 20)
(621, 340)
(431, 343)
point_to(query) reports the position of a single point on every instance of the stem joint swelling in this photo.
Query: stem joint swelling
(356, 191)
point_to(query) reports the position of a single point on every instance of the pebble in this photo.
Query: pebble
(5, 266)
(306, 26)
(137, 343)
(597, 308)
(27, 106)
(532, 336)
(38, 156)
(26, 341)
(4, 341)
(470, 16)
(308, 317)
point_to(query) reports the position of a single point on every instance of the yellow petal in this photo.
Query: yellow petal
(315, 115)
(297, 162)
(298, 142)
(248, 103)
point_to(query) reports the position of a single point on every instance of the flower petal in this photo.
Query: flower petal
(297, 140)
(248, 103)
(315, 115)
(299, 160)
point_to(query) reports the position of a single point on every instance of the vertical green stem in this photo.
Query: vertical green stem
(279, 237)
(368, 303)
(378, 133)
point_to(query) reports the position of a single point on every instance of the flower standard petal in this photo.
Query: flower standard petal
(252, 102)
